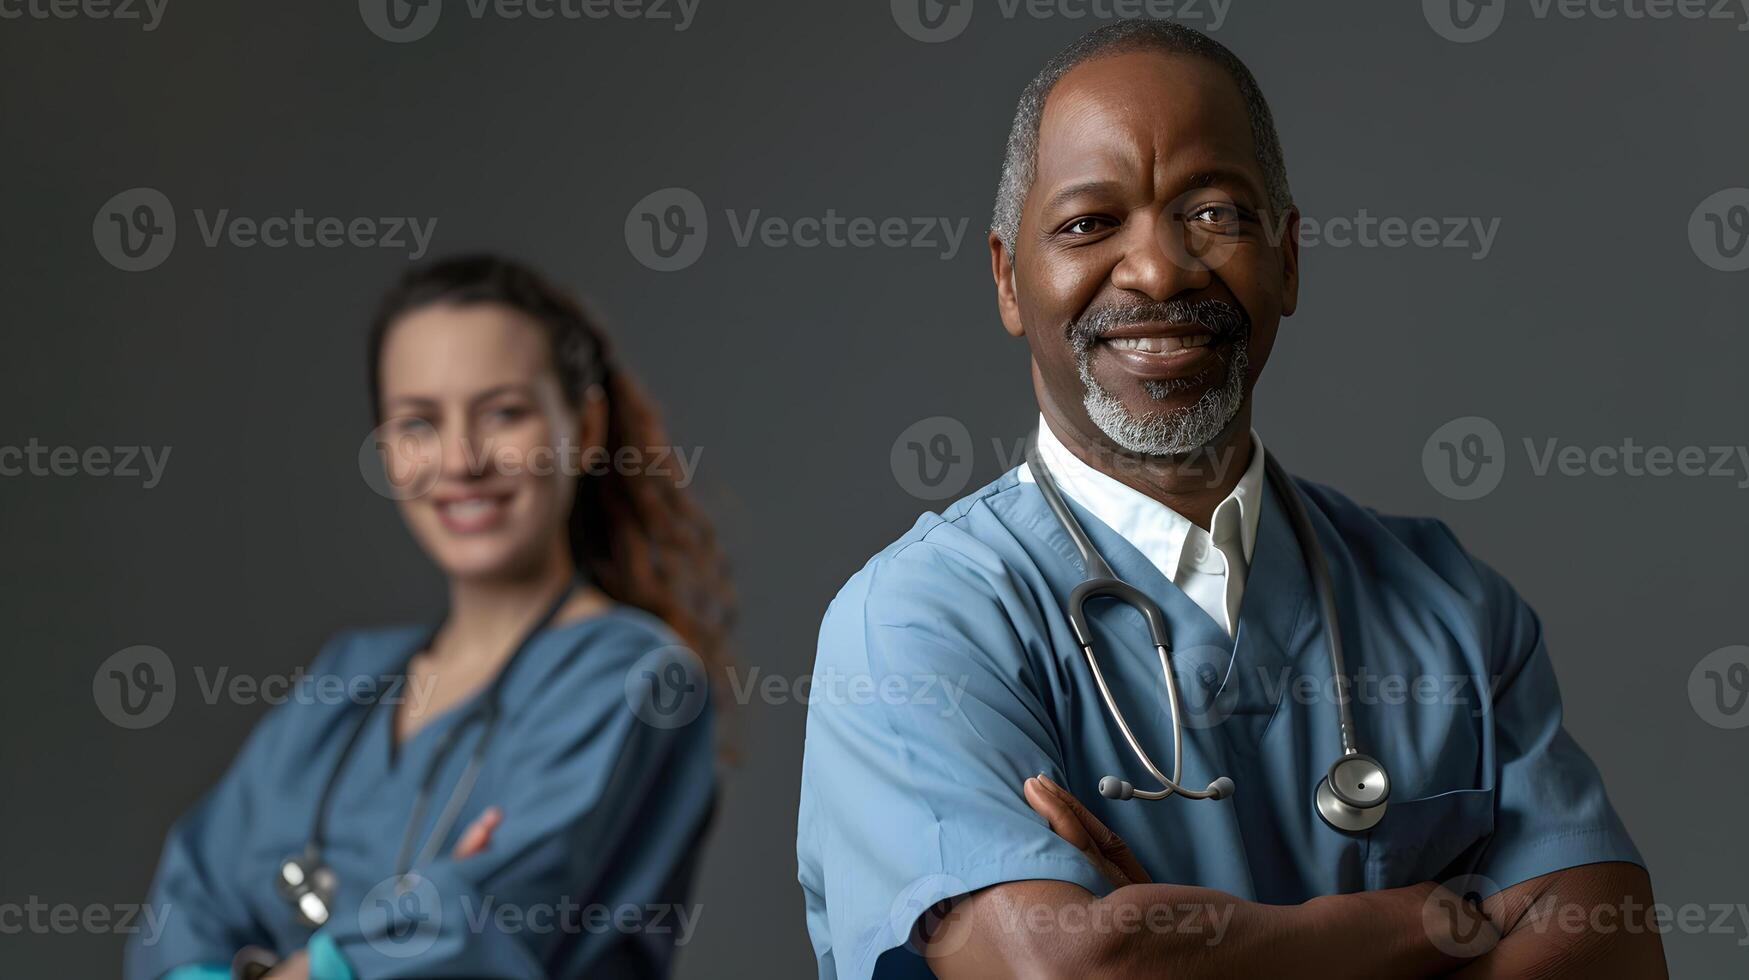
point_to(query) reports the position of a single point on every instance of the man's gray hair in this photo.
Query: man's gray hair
(1021, 161)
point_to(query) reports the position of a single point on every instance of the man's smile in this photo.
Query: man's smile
(1157, 351)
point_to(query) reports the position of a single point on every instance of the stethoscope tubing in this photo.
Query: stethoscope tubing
(1101, 582)
(486, 711)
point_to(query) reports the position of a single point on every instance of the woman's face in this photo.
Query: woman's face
(479, 437)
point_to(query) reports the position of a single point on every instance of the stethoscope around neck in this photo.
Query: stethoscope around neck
(1350, 798)
(306, 881)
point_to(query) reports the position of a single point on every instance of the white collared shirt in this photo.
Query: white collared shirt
(1210, 566)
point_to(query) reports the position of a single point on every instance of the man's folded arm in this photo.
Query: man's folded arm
(1589, 921)
(1049, 929)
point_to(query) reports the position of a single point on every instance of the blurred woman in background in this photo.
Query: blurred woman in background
(519, 790)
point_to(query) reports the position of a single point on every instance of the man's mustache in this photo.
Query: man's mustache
(1222, 319)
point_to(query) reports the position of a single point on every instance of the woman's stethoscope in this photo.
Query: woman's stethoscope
(309, 884)
(1351, 796)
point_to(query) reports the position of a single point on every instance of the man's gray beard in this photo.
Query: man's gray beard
(1181, 431)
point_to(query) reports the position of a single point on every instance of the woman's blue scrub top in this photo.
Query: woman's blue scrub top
(604, 799)
(957, 677)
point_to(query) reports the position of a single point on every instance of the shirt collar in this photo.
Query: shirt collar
(1138, 517)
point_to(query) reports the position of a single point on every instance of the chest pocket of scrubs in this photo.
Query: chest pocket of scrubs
(1420, 840)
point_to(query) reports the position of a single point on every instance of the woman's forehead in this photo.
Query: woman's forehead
(476, 345)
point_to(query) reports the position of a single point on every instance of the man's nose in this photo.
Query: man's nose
(1158, 259)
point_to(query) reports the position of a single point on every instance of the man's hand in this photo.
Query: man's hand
(1362, 935)
(1073, 822)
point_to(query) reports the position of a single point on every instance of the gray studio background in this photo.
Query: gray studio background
(1597, 144)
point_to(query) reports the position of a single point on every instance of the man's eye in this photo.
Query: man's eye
(411, 426)
(1215, 214)
(1084, 226)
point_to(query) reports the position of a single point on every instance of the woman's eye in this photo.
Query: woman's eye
(414, 427)
(507, 413)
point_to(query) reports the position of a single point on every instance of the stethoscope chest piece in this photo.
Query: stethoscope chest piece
(1352, 795)
(306, 881)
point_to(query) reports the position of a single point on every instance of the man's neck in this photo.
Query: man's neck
(1192, 485)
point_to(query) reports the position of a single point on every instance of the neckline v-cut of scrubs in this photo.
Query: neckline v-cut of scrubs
(912, 794)
(604, 803)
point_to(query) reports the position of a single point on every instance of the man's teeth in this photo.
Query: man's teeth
(1161, 345)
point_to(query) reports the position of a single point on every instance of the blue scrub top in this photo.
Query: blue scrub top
(911, 793)
(604, 800)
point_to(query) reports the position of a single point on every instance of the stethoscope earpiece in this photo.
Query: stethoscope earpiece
(1113, 788)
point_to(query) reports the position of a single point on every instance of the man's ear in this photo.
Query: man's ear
(1002, 270)
(1290, 263)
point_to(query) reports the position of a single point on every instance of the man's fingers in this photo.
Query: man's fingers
(479, 833)
(1109, 844)
(1062, 819)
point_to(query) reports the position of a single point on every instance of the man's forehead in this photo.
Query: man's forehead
(1144, 104)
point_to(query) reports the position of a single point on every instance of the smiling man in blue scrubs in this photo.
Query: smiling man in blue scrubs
(1144, 246)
